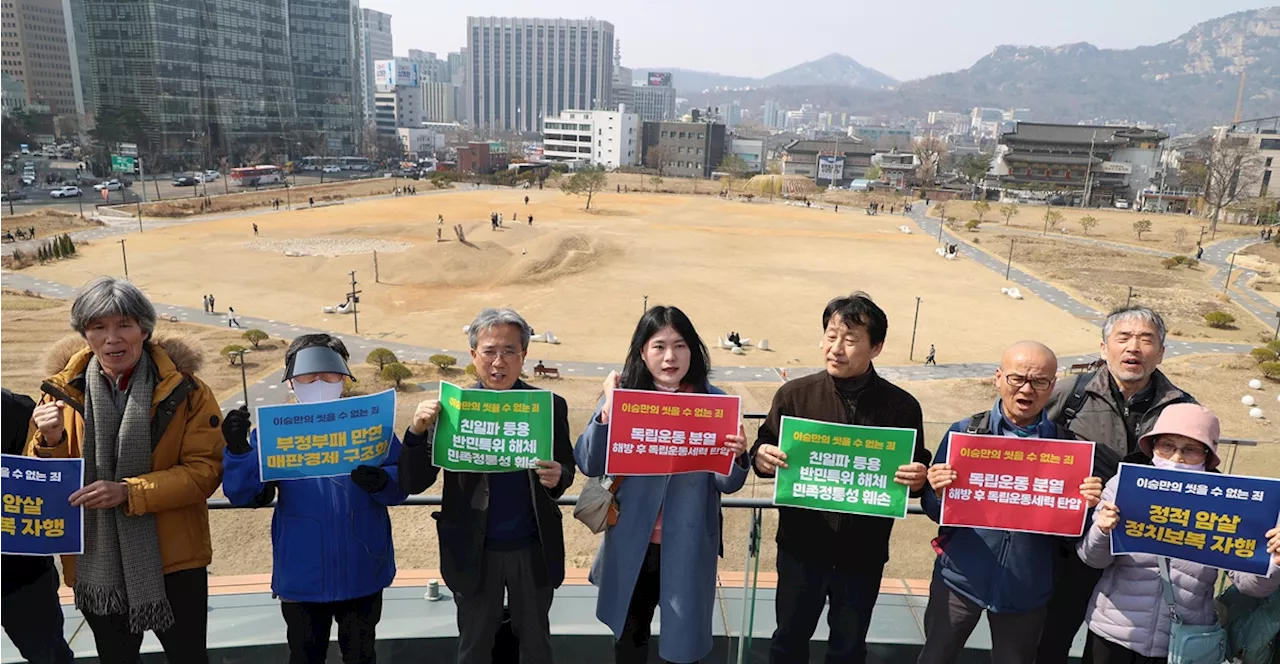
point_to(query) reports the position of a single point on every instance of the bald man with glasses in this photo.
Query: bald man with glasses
(1009, 575)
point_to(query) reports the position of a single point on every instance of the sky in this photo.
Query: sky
(906, 40)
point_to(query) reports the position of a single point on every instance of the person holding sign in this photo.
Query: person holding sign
(824, 555)
(1112, 406)
(147, 430)
(499, 531)
(1008, 574)
(31, 614)
(1128, 618)
(662, 552)
(332, 554)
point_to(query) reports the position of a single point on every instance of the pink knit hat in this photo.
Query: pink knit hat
(1186, 419)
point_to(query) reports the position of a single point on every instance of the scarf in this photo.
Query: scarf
(120, 571)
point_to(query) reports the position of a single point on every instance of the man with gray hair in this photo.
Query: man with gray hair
(498, 531)
(1113, 407)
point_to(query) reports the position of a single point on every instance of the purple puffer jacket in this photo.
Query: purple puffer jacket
(1128, 603)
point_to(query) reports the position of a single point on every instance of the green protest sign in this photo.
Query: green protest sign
(492, 431)
(843, 468)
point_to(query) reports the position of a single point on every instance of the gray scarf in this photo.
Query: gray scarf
(120, 571)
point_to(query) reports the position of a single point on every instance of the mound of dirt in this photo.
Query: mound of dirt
(532, 257)
(322, 246)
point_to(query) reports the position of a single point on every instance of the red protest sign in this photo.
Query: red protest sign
(1029, 485)
(663, 433)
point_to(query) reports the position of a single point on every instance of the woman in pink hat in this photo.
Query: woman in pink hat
(1128, 617)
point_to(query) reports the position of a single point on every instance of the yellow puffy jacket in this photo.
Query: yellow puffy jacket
(186, 463)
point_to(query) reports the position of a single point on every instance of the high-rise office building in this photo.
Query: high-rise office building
(36, 54)
(375, 32)
(327, 50)
(210, 79)
(441, 102)
(520, 70)
(431, 69)
(656, 100)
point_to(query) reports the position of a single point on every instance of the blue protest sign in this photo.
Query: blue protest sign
(325, 439)
(37, 519)
(1207, 518)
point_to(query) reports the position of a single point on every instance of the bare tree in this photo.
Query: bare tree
(929, 150)
(1234, 167)
(657, 158)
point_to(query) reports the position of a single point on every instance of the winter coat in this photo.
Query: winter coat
(691, 543)
(463, 520)
(186, 462)
(1102, 420)
(330, 539)
(1128, 606)
(1000, 570)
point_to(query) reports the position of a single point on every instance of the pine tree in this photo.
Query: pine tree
(57, 249)
(42, 254)
(71, 245)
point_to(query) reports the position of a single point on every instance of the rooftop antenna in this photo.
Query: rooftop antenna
(1239, 97)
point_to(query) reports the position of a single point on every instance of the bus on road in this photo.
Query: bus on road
(257, 176)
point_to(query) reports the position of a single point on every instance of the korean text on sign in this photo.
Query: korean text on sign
(662, 433)
(1022, 484)
(492, 431)
(37, 519)
(1208, 518)
(325, 439)
(843, 468)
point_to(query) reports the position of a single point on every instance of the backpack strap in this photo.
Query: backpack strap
(1079, 393)
(169, 407)
(979, 424)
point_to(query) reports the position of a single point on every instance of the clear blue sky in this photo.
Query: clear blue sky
(906, 40)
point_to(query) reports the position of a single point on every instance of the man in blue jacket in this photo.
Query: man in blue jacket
(330, 536)
(1007, 574)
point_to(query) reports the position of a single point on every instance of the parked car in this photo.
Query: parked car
(28, 180)
(65, 192)
(13, 196)
(210, 176)
(184, 181)
(332, 169)
(109, 185)
(1122, 204)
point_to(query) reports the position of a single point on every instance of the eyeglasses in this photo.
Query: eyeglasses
(1016, 381)
(490, 354)
(1192, 453)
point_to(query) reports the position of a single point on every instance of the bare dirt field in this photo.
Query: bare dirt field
(1113, 225)
(33, 324)
(1102, 276)
(760, 269)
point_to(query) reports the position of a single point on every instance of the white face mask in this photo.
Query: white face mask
(1169, 464)
(317, 391)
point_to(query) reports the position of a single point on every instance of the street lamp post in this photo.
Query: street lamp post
(1277, 334)
(1226, 284)
(244, 381)
(912, 352)
(1008, 266)
(1130, 298)
(646, 305)
(125, 258)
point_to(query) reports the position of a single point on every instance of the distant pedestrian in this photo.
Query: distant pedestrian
(255, 230)
(837, 207)
(526, 200)
(31, 231)
(439, 233)
(440, 220)
(891, 209)
(931, 359)
(211, 308)
(530, 220)
(1199, 252)
(231, 317)
(205, 303)
(311, 201)
(619, 189)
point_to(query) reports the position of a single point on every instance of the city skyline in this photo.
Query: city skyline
(957, 35)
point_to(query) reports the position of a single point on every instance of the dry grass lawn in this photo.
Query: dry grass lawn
(1113, 225)
(248, 200)
(763, 270)
(47, 222)
(1102, 276)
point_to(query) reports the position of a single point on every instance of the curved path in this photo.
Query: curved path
(269, 389)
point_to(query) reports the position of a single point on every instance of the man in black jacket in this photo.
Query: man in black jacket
(497, 531)
(826, 555)
(31, 614)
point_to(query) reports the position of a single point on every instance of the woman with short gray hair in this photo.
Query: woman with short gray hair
(148, 431)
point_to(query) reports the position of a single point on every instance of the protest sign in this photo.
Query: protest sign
(1208, 518)
(843, 468)
(1029, 485)
(492, 431)
(666, 433)
(326, 438)
(37, 519)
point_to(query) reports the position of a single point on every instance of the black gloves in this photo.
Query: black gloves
(235, 429)
(370, 478)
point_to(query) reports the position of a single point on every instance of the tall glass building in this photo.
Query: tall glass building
(249, 80)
